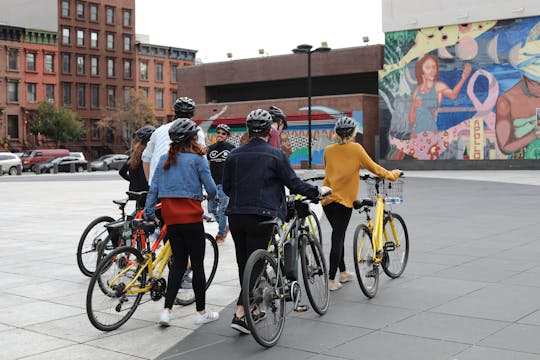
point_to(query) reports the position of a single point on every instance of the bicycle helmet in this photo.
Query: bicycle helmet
(225, 128)
(277, 115)
(344, 126)
(259, 121)
(145, 132)
(182, 130)
(184, 106)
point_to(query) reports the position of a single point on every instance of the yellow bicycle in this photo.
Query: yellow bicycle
(382, 242)
(126, 274)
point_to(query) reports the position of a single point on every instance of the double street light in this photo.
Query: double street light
(306, 49)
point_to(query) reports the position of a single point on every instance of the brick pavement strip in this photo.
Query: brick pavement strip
(453, 302)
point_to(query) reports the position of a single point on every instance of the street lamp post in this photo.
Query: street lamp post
(306, 49)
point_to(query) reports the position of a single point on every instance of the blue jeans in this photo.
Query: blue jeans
(218, 209)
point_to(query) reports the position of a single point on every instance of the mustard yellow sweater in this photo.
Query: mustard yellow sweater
(342, 163)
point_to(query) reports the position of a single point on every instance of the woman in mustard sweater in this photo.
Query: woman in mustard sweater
(342, 163)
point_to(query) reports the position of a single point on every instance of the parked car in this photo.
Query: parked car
(78, 155)
(64, 164)
(31, 159)
(108, 162)
(9, 163)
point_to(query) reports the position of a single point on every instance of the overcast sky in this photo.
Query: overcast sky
(242, 27)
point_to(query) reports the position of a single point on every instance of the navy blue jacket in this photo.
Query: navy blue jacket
(253, 179)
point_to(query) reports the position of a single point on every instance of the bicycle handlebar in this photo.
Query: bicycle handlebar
(375, 177)
(315, 178)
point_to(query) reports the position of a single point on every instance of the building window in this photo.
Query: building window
(94, 66)
(127, 96)
(174, 96)
(159, 98)
(80, 64)
(66, 63)
(65, 8)
(80, 37)
(145, 91)
(127, 43)
(111, 96)
(127, 69)
(110, 41)
(30, 62)
(110, 68)
(31, 92)
(80, 10)
(174, 73)
(49, 92)
(159, 72)
(110, 15)
(81, 95)
(13, 91)
(67, 94)
(93, 12)
(95, 130)
(65, 36)
(13, 59)
(144, 70)
(49, 63)
(127, 17)
(94, 94)
(93, 39)
(13, 126)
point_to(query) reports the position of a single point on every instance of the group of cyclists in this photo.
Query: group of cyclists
(244, 184)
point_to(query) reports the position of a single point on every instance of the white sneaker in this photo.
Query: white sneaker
(334, 285)
(207, 317)
(165, 318)
(345, 276)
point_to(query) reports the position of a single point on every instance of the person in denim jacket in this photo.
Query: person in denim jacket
(178, 181)
(254, 178)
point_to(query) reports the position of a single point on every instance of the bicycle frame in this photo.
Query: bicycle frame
(378, 230)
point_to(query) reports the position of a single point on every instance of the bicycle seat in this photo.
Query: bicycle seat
(357, 204)
(147, 226)
(121, 202)
(136, 195)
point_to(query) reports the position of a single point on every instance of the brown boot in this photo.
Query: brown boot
(219, 239)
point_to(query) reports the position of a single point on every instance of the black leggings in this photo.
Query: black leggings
(338, 216)
(248, 236)
(187, 240)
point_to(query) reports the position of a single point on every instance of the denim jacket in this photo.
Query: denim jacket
(183, 180)
(254, 178)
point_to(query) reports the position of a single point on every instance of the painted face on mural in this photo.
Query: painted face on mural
(429, 70)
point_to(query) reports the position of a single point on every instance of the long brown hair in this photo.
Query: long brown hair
(419, 72)
(188, 146)
(135, 158)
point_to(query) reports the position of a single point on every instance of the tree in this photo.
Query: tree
(139, 112)
(61, 125)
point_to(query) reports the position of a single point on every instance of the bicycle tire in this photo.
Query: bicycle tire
(367, 272)
(87, 263)
(113, 300)
(267, 294)
(318, 234)
(314, 273)
(187, 296)
(395, 261)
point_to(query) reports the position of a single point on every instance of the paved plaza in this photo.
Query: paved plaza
(471, 289)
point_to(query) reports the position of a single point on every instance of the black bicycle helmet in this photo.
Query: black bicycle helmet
(184, 106)
(259, 121)
(277, 115)
(182, 130)
(225, 128)
(345, 126)
(145, 132)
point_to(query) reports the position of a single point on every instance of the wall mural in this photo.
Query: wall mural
(322, 126)
(467, 92)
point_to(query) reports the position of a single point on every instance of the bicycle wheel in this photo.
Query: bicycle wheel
(395, 257)
(186, 295)
(314, 273)
(87, 251)
(112, 304)
(367, 271)
(314, 226)
(263, 289)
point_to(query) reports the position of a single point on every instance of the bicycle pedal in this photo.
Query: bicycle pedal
(389, 246)
(301, 308)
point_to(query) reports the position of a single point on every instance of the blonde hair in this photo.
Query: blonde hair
(342, 140)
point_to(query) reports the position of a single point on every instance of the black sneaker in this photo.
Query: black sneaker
(258, 317)
(240, 324)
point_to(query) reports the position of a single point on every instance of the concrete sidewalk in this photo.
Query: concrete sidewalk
(467, 293)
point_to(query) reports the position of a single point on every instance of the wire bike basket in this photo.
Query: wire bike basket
(392, 192)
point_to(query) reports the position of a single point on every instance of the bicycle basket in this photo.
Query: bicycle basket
(392, 192)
